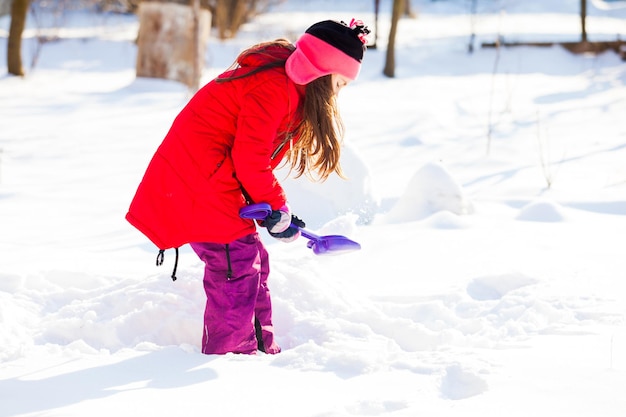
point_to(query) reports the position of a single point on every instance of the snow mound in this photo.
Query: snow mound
(319, 202)
(10, 282)
(459, 383)
(345, 225)
(542, 211)
(153, 311)
(432, 189)
(496, 286)
(445, 220)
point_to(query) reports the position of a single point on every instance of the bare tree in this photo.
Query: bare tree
(408, 10)
(473, 13)
(390, 60)
(374, 45)
(229, 15)
(197, 46)
(583, 20)
(19, 9)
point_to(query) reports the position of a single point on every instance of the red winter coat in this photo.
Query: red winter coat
(230, 135)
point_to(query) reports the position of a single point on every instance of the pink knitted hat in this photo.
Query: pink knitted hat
(328, 47)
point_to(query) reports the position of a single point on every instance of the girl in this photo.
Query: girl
(277, 102)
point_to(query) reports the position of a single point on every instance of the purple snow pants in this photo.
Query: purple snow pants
(235, 283)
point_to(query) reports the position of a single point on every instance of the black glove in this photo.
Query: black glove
(291, 233)
(278, 220)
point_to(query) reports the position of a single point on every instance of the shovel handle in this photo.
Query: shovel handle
(255, 211)
(261, 210)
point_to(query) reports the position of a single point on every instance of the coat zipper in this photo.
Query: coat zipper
(229, 273)
(288, 138)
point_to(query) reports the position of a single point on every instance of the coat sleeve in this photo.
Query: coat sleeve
(264, 105)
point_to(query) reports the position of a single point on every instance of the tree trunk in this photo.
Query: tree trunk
(238, 15)
(408, 10)
(583, 20)
(230, 15)
(169, 45)
(221, 18)
(19, 9)
(197, 48)
(374, 45)
(390, 61)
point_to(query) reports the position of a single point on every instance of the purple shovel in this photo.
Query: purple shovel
(321, 245)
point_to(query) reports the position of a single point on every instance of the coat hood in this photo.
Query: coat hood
(263, 55)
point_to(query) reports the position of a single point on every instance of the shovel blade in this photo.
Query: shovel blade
(332, 245)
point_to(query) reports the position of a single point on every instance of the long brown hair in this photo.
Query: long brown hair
(320, 133)
(266, 50)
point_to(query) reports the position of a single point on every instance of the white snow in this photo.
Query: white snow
(488, 192)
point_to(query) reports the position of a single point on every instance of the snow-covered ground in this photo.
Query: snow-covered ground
(488, 192)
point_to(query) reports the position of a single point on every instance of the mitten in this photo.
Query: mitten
(278, 220)
(292, 233)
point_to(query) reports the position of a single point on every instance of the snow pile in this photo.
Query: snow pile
(432, 189)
